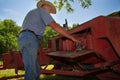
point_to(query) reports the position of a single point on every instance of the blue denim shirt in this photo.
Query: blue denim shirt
(36, 20)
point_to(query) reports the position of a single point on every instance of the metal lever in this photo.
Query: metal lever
(65, 26)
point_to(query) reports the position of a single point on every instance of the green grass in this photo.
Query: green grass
(11, 72)
(7, 73)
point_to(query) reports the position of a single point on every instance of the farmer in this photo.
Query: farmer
(32, 31)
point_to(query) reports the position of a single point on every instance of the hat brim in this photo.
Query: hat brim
(41, 3)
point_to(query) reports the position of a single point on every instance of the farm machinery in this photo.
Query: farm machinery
(98, 55)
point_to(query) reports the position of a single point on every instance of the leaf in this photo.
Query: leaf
(9, 32)
(67, 4)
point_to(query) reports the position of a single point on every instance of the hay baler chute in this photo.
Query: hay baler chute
(100, 55)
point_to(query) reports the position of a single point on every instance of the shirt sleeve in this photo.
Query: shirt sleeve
(46, 17)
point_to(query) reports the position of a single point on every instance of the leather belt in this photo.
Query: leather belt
(27, 30)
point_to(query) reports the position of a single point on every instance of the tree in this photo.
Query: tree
(74, 25)
(114, 14)
(9, 32)
(49, 33)
(67, 4)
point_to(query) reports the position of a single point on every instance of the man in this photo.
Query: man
(32, 31)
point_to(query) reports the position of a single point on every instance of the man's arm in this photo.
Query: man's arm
(62, 31)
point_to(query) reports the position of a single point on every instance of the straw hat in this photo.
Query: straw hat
(42, 2)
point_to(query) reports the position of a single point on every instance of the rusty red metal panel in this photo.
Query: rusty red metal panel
(104, 47)
(43, 59)
(60, 44)
(89, 42)
(53, 42)
(67, 73)
(108, 75)
(12, 60)
(114, 33)
(70, 54)
(106, 38)
(83, 56)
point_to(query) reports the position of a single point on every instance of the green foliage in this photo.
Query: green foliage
(48, 34)
(67, 4)
(8, 35)
(115, 14)
(75, 25)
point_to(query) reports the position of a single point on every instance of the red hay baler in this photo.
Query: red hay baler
(99, 56)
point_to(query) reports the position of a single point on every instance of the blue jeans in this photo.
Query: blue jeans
(28, 45)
